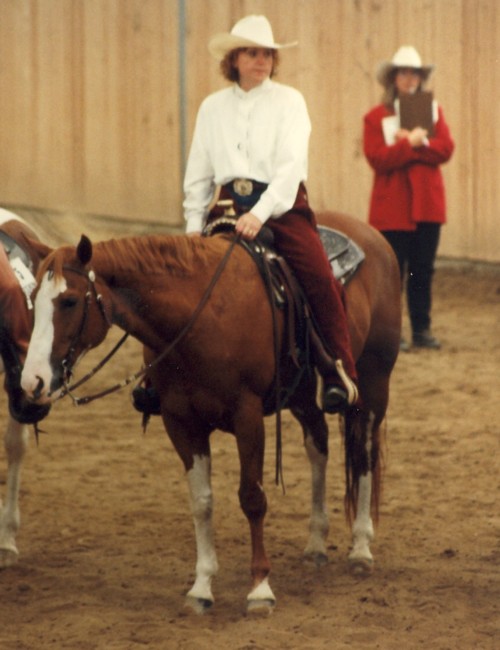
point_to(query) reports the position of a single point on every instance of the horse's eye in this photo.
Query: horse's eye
(68, 303)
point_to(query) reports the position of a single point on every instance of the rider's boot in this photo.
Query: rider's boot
(145, 399)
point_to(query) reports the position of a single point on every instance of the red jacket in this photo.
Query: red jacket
(408, 185)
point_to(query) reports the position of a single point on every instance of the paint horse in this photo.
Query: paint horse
(14, 233)
(220, 366)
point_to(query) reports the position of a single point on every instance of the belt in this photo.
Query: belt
(245, 187)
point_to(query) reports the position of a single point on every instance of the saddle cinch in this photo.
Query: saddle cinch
(305, 345)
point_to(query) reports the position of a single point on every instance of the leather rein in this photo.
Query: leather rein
(68, 360)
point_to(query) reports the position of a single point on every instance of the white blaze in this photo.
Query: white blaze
(37, 365)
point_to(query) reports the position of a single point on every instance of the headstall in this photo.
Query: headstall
(69, 360)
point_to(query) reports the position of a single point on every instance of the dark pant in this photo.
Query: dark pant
(297, 239)
(416, 252)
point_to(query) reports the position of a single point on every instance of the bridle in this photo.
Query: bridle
(68, 360)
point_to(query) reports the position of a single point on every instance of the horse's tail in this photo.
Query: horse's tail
(361, 434)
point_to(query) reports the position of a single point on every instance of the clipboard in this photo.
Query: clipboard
(417, 110)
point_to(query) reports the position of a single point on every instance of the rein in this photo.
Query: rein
(78, 401)
(277, 355)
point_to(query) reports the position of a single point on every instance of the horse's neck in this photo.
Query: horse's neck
(154, 297)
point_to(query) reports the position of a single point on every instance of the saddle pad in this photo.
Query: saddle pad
(13, 250)
(21, 264)
(345, 255)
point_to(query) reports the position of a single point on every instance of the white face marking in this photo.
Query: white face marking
(37, 365)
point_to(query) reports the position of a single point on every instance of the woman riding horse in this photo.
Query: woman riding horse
(252, 139)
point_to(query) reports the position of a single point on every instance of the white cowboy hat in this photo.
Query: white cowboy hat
(406, 57)
(251, 31)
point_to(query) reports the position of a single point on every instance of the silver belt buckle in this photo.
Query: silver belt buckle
(243, 186)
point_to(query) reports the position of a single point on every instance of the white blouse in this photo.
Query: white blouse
(262, 134)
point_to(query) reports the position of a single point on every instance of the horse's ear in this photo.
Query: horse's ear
(84, 250)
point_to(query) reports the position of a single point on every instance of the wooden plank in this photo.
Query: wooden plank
(91, 115)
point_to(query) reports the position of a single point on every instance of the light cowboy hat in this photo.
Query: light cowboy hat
(251, 31)
(406, 57)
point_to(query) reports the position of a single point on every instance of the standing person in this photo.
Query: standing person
(251, 139)
(408, 197)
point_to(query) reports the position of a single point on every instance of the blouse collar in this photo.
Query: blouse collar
(255, 92)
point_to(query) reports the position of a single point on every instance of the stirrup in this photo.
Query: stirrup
(350, 386)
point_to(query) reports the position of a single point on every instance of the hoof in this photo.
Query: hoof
(260, 607)
(361, 566)
(316, 558)
(8, 557)
(198, 605)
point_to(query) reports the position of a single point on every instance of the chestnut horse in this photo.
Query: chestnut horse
(16, 435)
(219, 370)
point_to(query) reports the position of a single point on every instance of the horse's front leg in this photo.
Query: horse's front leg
(249, 430)
(190, 438)
(200, 597)
(15, 441)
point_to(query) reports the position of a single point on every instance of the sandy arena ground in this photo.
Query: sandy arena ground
(107, 542)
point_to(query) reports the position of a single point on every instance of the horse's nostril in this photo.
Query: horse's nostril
(39, 387)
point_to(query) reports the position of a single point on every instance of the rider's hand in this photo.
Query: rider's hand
(248, 226)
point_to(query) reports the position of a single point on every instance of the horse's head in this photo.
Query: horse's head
(71, 317)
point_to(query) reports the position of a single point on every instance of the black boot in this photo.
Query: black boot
(425, 340)
(334, 399)
(146, 400)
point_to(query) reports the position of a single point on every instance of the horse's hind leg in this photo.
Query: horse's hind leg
(315, 431)
(360, 557)
(16, 440)
(363, 472)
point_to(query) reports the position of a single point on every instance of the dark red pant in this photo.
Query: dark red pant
(297, 240)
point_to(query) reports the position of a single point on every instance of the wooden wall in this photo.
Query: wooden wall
(99, 99)
(90, 106)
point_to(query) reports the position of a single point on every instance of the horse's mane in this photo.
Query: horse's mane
(54, 263)
(150, 254)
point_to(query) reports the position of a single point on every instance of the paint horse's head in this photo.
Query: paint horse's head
(71, 317)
